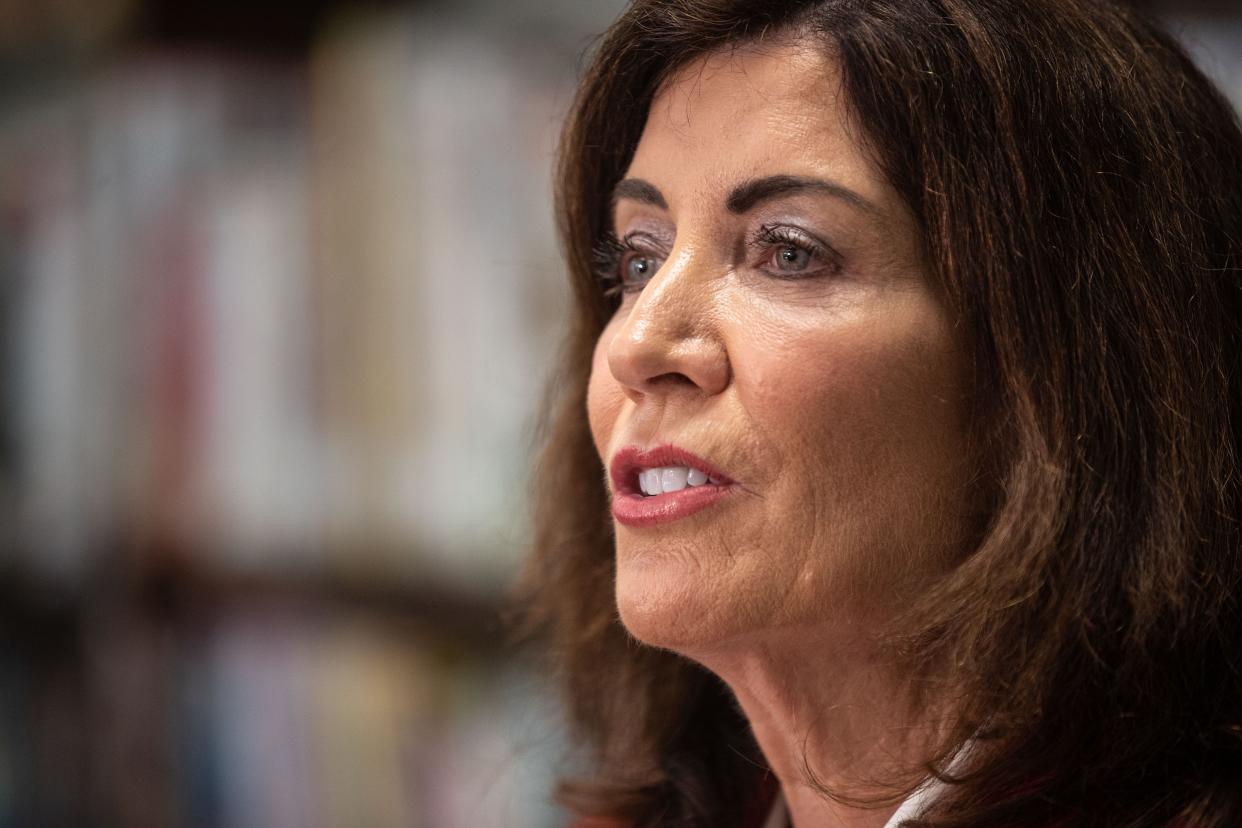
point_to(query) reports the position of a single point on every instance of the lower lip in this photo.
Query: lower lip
(633, 509)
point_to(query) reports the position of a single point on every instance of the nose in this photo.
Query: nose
(670, 340)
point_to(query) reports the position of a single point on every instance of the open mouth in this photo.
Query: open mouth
(661, 470)
(659, 480)
(663, 484)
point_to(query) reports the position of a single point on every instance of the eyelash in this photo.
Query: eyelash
(777, 236)
(611, 254)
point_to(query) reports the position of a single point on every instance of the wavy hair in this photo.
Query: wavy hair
(1078, 187)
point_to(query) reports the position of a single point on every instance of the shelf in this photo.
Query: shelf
(184, 590)
(179, 593)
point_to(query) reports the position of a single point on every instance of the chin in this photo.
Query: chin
(669, 603)
(659, 606)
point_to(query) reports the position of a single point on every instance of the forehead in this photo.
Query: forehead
(749, 111)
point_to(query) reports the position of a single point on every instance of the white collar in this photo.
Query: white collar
(778, 817)
(916, 802)
(914, 805)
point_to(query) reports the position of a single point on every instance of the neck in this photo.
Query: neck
(829, 718)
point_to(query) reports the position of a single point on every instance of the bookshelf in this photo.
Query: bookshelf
(278, 286)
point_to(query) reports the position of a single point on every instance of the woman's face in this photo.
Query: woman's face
(778, 334)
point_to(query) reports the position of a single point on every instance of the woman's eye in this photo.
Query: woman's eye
(790, 252)
(792, 259)
(625, 265)
(639, 268)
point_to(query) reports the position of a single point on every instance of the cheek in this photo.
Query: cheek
(871, 423)
(866, 387)
(604, 397)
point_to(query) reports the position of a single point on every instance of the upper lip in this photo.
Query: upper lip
(630, 460)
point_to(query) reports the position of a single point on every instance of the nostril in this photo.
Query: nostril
(671, 379)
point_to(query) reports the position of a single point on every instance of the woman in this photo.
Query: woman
(901, 420)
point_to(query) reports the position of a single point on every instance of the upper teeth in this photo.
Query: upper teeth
(669, 479)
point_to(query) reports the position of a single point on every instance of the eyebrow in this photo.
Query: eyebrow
(638, 190)
(747, 195)
(750, 193)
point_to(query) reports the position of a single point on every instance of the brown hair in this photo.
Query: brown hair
(1078, 186)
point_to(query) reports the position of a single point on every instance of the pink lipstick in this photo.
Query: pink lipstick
(665, 467)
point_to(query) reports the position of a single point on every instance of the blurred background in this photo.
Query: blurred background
(279, 292)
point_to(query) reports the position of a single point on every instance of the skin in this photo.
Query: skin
(827, 382)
